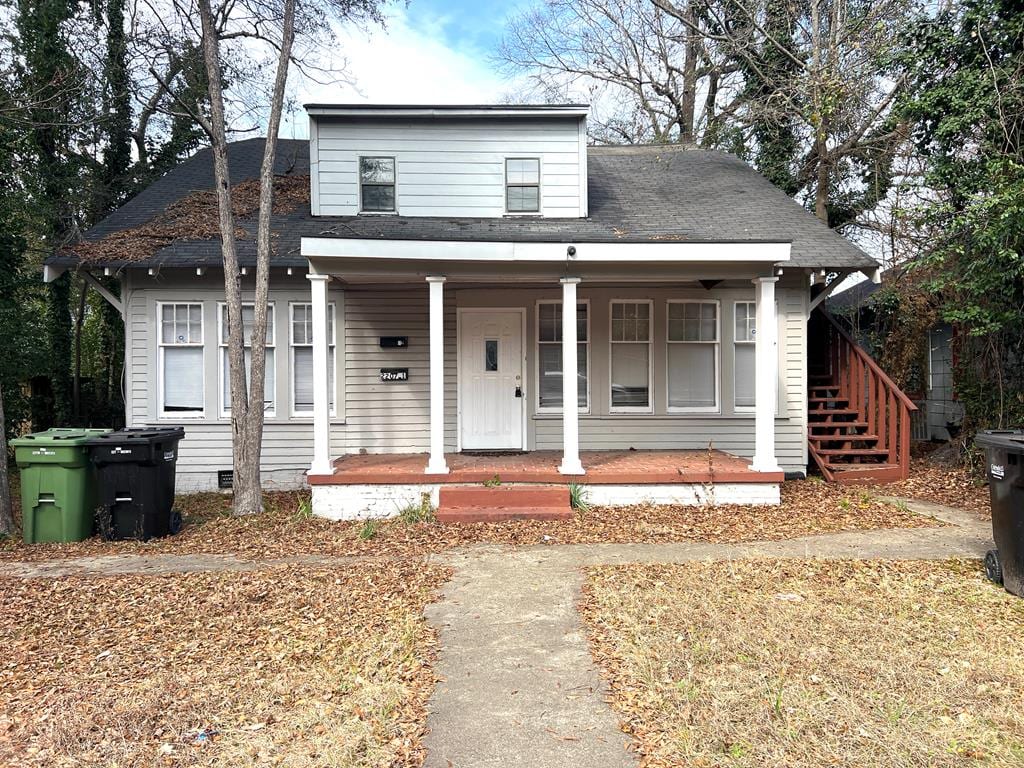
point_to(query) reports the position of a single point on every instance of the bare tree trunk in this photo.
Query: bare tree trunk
(6, 508)
(689, 99)
(246, 401)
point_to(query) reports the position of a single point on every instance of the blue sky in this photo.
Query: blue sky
(431, 51)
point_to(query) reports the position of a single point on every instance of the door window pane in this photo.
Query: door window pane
(491, 355)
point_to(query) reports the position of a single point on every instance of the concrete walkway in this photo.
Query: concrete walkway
(518, 684)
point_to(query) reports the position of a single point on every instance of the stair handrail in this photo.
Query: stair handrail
(870, 362)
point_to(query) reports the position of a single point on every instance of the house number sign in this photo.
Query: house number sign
(394, 374)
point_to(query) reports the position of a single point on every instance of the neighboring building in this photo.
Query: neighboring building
(940, 414)
(417, 288)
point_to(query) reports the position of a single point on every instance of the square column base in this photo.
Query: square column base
(571, 468)
(436, 468)
(757, 465)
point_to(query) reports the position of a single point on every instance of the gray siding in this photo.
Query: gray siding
(378, 417)
(448, 167)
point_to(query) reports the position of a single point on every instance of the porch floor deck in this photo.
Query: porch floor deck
(602, 468)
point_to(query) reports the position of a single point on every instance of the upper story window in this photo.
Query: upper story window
(377, 184)
(522, 185)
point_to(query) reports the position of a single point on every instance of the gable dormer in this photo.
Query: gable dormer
(452, 161)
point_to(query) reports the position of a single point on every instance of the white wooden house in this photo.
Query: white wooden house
(417, 325)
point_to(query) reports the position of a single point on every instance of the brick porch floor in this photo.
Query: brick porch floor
(603, 468)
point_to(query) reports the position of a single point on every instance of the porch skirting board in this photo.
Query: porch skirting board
(361, 502)
(188, 480)
(686, 494)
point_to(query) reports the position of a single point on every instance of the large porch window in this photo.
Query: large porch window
(301, 342)
(743, 345)
(549, 355)
(631, 356)
(180, 351)
(269, 374)
(693, 356)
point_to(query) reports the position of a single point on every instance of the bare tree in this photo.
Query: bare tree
(652, 78)
(6, 508)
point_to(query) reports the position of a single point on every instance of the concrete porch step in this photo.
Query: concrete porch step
(480, 503)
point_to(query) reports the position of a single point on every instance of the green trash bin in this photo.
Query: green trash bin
(58, 486)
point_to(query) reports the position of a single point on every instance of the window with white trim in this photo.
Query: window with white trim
(522, 185)
(692, 357)
(549, 355)
(269, 373)
(377, 184)
(180, 352)
(300, 338)
(630, 355)
(744, 365)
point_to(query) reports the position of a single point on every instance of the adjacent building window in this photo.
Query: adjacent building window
(269, 374)
(377, 184)
(743, 345)
(522, 185)
(692, 358)
(180, 352)
(301, 343)
(549, 355)
(631, 355)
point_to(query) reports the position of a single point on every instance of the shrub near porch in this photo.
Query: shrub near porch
(811, 663)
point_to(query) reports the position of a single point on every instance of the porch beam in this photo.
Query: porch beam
(571, 464)
(436, 464)
(765, 376)
(321, 400)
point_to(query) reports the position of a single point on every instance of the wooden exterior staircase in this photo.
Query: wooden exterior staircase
(858, 420)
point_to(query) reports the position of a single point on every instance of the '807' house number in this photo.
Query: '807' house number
(394, 374)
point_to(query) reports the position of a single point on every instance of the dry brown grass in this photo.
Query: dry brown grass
(812, 663)
(286, 528)
(287, 667)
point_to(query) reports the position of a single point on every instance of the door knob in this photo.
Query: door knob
(519, 391)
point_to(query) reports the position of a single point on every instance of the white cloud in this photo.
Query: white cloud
(407, 62)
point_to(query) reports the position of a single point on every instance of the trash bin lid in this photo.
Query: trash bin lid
(138, 436)
(60, 436)
(1009, 439)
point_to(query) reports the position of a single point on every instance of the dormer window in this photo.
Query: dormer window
(522, 185)
(377, 184)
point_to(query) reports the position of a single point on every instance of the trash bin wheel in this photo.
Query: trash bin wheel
(993, 569)
(175, 524)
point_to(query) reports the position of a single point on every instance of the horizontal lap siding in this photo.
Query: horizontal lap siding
(381, 416)
(448, 168)
(287, 448)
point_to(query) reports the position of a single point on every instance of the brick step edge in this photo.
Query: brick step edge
(511, 496)
(493, 515)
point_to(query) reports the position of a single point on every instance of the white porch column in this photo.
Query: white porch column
(436, 464)
(321, 398)
(570, 410)
(765, 376)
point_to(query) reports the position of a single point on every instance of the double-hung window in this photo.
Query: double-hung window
(180, 352)
(377, 184)
(692, 358)
(522, 185)
(549, 355)
(269, 374)
(300, 339)
(631, 356)
(743, 348)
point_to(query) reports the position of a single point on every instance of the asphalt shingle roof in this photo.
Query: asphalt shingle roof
(636, 194)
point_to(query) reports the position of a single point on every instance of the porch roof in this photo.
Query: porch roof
(637, 194)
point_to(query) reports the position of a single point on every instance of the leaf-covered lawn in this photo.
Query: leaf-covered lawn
(287, 528)
(812, 663)
(287, 667)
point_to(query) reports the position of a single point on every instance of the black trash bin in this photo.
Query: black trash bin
(1004, 450)
(135, 478)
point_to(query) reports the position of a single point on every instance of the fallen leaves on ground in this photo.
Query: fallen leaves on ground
(295, 667)
(953, 486)
(811, 663)
(286, 528)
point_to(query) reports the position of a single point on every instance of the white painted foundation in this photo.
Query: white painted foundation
(359, 502)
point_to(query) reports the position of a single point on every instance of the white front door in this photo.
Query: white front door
(491, 395)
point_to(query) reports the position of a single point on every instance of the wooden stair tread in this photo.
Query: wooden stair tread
(841, 438)
(853, 451)
(488, 514)
(483, 503)
(833, 412)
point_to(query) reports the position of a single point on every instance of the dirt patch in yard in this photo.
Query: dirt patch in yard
(811, 663)
(287, 528)
(293, 667)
